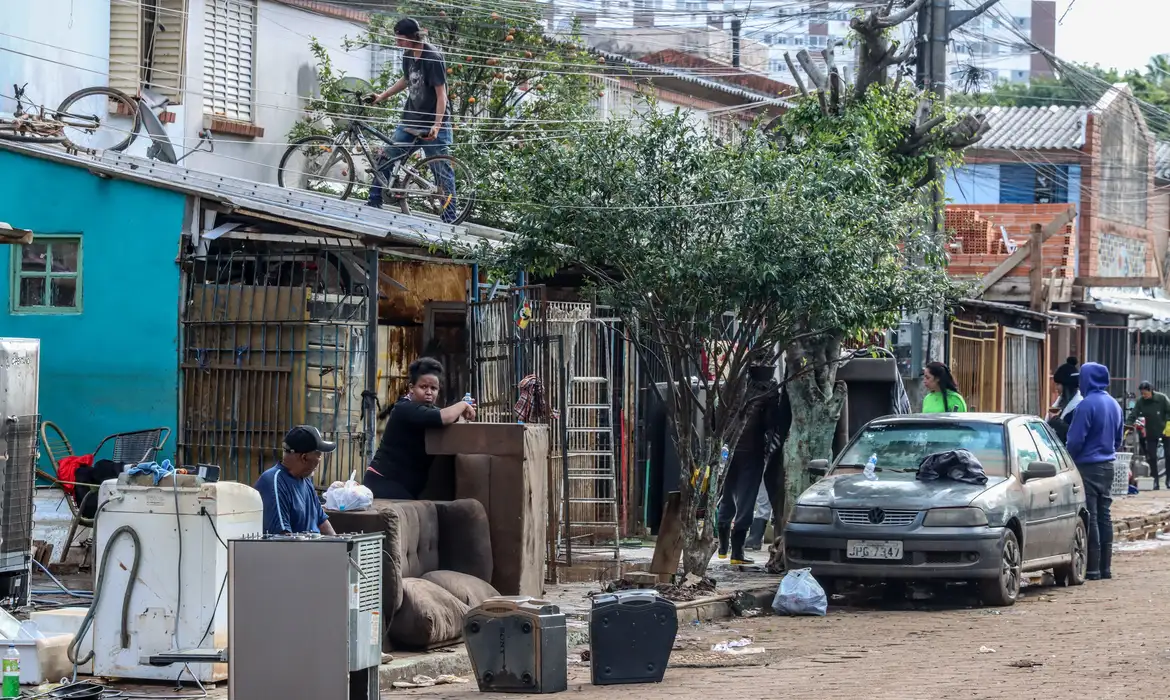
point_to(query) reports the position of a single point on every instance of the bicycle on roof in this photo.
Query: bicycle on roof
(439, 185)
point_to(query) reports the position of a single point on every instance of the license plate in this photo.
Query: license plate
(873, 549)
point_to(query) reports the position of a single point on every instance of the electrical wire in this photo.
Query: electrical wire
(54, 579)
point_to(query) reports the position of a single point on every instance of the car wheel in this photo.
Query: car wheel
(1073, 573)
(1005, 588)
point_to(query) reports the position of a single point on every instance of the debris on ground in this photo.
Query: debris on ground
(427, 681)
(735, 646)
(986, 650)
(690, 588)
(744, 604)
(1025, 663)
(586, 655)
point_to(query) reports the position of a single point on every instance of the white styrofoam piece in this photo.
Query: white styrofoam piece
(66, 621)
(30, 659)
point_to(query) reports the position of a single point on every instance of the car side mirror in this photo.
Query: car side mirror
(818, 467)
(1040, 470)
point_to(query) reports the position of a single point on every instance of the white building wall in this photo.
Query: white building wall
(67, 43)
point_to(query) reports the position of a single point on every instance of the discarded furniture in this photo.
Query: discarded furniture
(438, 564)
(504, 466)
(129, 447)
(517, 644)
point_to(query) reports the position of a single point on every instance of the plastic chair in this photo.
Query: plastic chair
(135, 446)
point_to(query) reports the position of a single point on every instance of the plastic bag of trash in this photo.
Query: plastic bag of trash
(800, 594)
(348, 496)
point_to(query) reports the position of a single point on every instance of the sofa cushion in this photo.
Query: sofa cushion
(469, 589)
(428, 615)
(465, 540)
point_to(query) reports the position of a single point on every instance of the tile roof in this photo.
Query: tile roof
(636, 69)
(1055, 127)
(1162, 160)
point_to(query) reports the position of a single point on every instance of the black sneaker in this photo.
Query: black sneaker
(1092, 577)
(1106, 577)
(375, 205)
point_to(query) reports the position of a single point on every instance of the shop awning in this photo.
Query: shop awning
(1148, 309)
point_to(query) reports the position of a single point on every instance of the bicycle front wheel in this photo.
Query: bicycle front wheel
(441, 186)
(99, 119)
(317, 164)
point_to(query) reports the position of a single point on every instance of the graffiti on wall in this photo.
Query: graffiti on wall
(1120, 256)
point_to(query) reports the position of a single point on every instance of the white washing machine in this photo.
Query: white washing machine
(179, 598)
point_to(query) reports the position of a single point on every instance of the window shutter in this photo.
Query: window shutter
(169, 48)
(228, 41)
(125, 46)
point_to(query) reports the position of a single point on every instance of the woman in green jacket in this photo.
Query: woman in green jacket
(944, 396)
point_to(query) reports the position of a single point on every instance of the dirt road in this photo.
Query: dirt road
(1108, 639)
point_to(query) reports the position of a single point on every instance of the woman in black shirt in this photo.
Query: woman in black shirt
(401, 465)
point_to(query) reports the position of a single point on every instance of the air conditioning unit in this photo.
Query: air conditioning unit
(19, 420)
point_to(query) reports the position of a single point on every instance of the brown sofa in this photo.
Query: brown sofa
(439, 564)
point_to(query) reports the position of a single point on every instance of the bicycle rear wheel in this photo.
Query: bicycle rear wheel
(99, 119)
(441, 186)
(316, 164)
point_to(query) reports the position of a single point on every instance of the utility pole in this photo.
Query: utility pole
(736, 27)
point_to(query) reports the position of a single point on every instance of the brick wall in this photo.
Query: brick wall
(980, 249)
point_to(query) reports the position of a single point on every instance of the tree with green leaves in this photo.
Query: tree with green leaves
(1079, 84)
(508, 83)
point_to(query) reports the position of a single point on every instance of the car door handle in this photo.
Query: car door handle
(1051, 496)
(1076, 487)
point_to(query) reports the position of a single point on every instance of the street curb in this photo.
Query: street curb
(1141, 528)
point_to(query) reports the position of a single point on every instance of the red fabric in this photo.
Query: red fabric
(67, 469)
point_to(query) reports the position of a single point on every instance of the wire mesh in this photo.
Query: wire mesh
(273, 336)
(18, 459)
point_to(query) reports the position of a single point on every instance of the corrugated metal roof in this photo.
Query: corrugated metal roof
(640, 69)
(1148, 309)
(1044, 128)
(1162, 160)
(295, 205)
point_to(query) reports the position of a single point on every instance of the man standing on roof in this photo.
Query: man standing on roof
(1094, 438)
(426, 122)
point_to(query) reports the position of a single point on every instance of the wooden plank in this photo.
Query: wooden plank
(668, 548)
(1050, 229)
(1118, 281)
(1036, 276)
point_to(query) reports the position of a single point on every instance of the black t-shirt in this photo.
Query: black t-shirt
(423, 75)
(402, 453)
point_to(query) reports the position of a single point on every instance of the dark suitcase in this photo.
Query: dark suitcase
(517, 644)
(631, 634)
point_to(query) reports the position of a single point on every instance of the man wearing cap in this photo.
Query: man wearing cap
(291, 504)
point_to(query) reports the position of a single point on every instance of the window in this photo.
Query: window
(1024, 23)
(228, 41)
(147, 46)
(1048, 445)
(46, 275)
(1023, 447)
(818, 41)
(900, 446)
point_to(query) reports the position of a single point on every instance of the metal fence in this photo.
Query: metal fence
(272, 337)
(974, 358)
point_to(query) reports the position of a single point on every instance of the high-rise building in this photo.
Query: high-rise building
(987, 50)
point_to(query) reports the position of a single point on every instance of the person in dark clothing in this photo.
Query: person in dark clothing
(426, 121)
(1094, 438)
(401, 465)
(1061, 413)
(756, 444)
(1154, 406)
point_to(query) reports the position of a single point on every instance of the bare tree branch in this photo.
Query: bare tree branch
(795, 74)
(814, 74)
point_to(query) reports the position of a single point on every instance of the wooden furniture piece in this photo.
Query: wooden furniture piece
(504, 466)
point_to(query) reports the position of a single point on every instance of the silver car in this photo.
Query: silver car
(1029, 516)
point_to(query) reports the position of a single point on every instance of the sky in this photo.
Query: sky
(1120, 34)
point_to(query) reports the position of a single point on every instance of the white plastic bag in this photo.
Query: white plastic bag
(348, 496)
(800, 594)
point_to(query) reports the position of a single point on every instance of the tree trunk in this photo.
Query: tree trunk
(698, 535)
(816, 398)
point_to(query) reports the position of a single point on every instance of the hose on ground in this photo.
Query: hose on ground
(99, 584)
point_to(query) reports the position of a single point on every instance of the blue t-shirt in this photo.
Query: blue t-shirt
(290, 504)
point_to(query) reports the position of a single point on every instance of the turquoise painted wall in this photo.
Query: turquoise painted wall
(112, 367)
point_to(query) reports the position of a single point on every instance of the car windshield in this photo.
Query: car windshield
(901, 446)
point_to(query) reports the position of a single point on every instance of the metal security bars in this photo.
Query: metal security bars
(272, 336)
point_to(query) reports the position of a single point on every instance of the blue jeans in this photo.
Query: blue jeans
(402, 145)
(1098, 480)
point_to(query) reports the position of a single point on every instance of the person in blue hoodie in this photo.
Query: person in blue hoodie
(1094, 438)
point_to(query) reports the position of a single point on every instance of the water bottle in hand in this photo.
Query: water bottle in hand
(871, 468)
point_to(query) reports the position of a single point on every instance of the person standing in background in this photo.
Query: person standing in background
(1094, 438)
(1154, 406)
(1061, 412)
(943, 396)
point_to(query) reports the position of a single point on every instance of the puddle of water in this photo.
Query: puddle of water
(1160, 540)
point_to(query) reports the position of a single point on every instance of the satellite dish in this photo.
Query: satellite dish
(161, 148)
